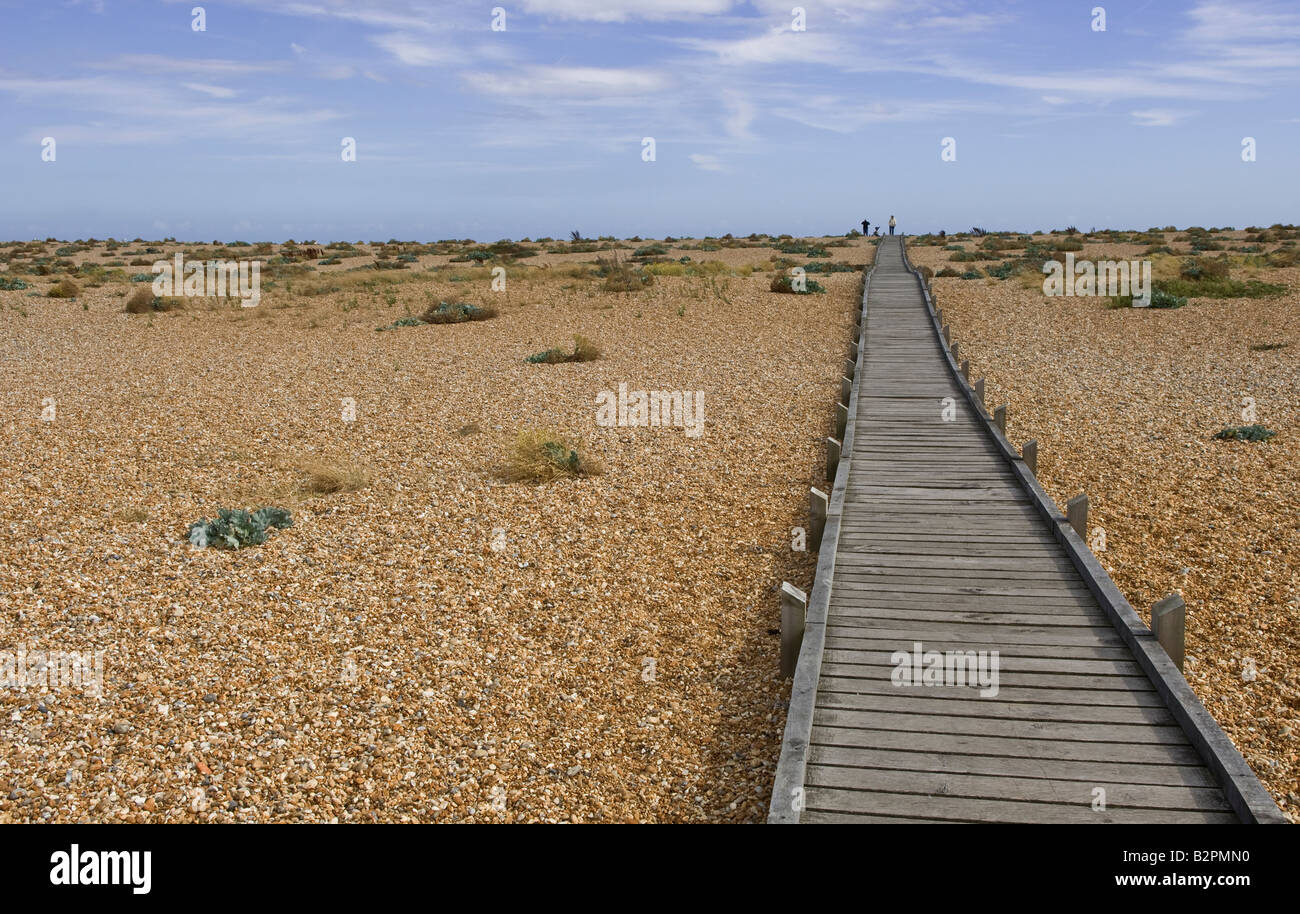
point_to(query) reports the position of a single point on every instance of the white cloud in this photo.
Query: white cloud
(214, 91)
(157, 63)
(411, 51)
(623, 10)
(706, 162)
(740, 115)
(584, 82)
(1158, 117)
(777, 45)
(1242, 20)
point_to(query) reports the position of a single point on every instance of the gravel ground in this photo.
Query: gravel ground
(1124, 404)
(439, 645)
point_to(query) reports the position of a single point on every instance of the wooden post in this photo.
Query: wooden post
(956, 352)
(841, 420)
(938, 313)
(850, 368)
(832, 460)
(794, 611)
(846, 390)
(979, 390)
(853, 351)
(947, 334)
(1169, 623)
(1000, 418)
(1030, 453)
(965, 370)
(818, 507)
(1076, 512)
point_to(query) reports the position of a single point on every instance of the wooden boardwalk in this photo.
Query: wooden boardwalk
(938, 539)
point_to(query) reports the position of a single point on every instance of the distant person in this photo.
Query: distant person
(891, 225)
(866, 226)
(942, 233)
(877, 232)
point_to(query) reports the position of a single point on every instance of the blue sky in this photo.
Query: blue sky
(462, 131)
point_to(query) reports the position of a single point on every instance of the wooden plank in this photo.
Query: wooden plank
(1009, 766)
(916, 701)
(968, 809)
(998, 745)
(949, 785)
(1026, 730)
(1007, 663)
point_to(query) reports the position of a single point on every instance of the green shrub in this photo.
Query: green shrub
(1204, 268)
(947, 271)
(1161, 298)
(1223, 288)
(972, 274)
(401, 322)
(785, 284)
(1245, 433)
(456, 313)
(236, 529)
(12, 285)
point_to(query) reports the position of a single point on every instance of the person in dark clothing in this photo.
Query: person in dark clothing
(891, 225)
(866, 226)
(876, 233)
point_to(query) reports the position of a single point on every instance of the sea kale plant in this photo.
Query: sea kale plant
(235, 529)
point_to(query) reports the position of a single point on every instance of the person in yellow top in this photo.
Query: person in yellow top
(892, 223)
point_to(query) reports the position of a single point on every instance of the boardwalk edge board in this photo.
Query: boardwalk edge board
(788, 787)
(1247, 796)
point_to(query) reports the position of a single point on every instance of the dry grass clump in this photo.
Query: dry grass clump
(143, 301)
(544, 454)
(64, 288)
(140, 301)
(323, 478)
(621, 276)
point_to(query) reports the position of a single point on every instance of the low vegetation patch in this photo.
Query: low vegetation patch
(64, 288)
(238, 528)
(785, 284)
(322, 478)
(584, 350)
(543, 455)
(1245, 433)
(1160, 298)
(456, 313)
(621, 276)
